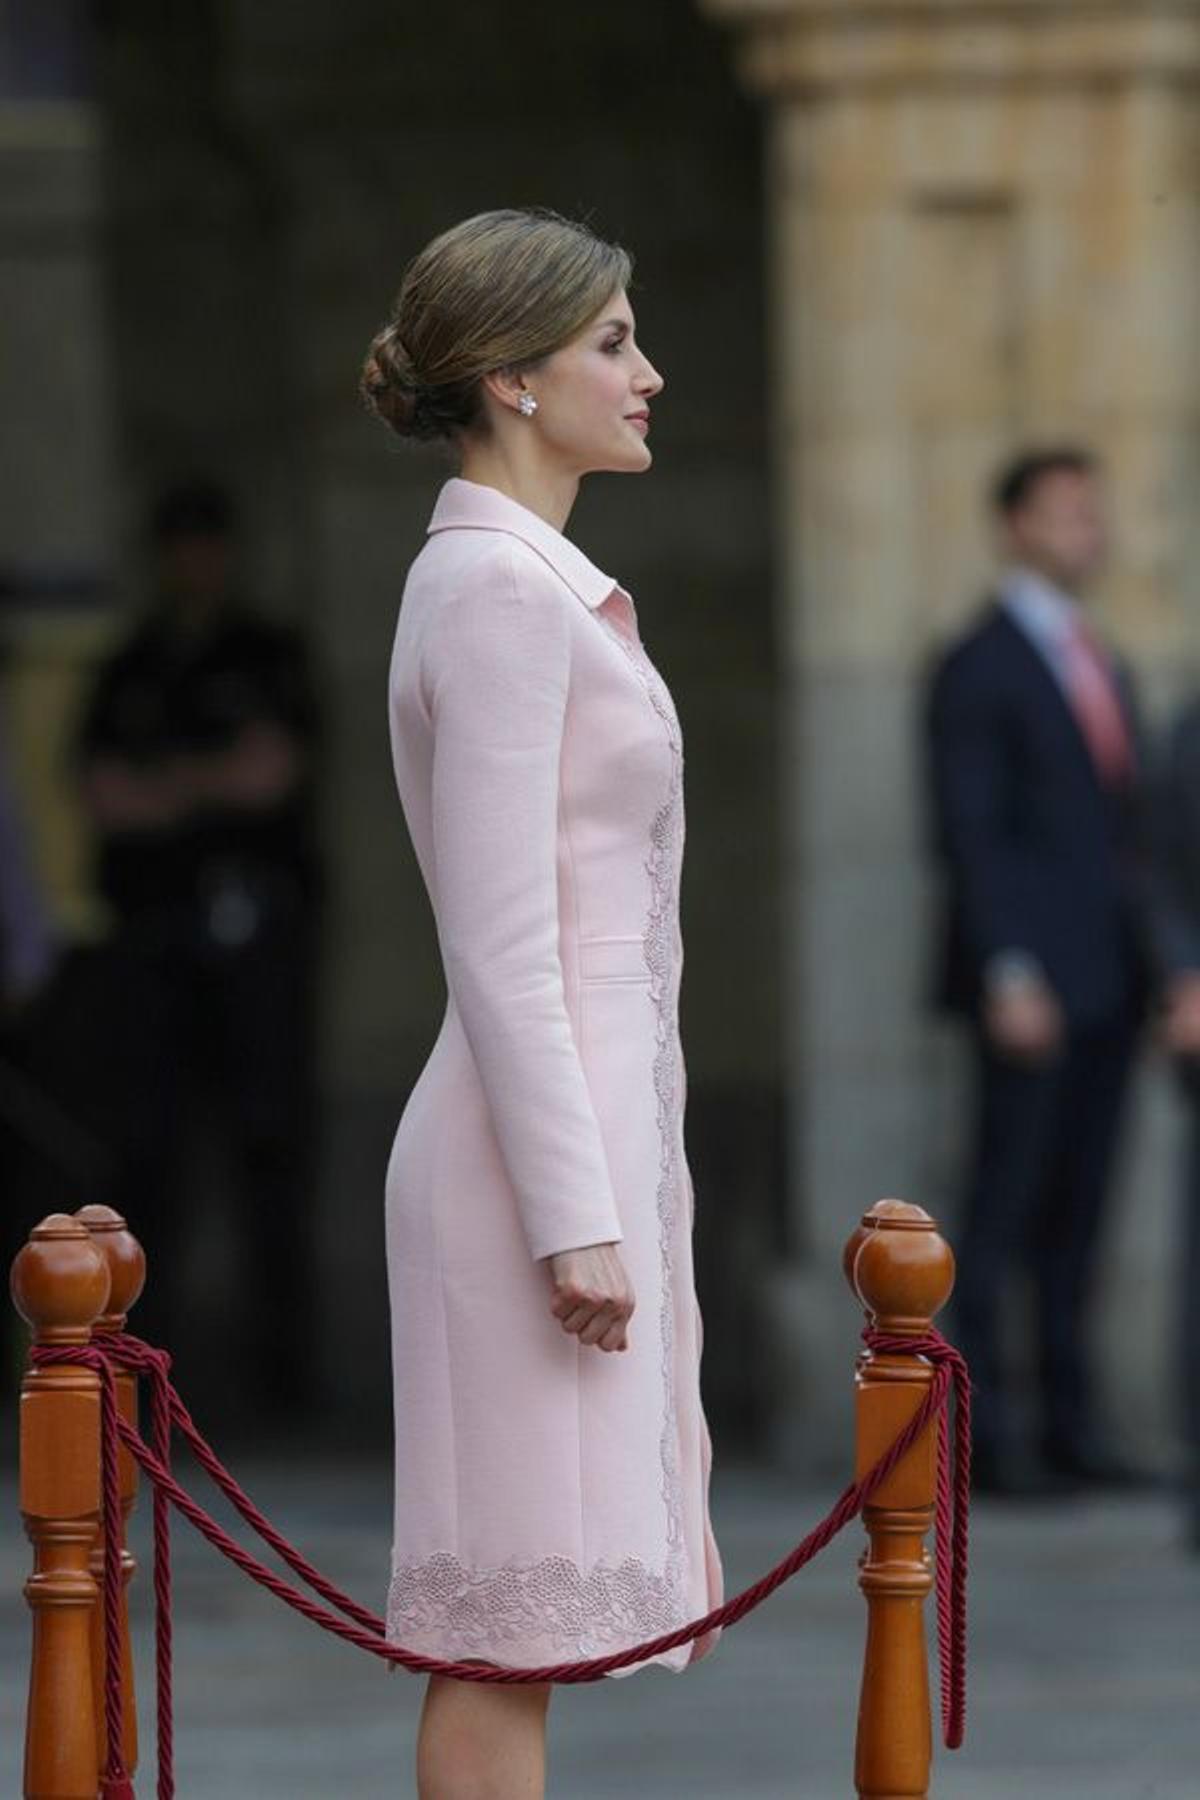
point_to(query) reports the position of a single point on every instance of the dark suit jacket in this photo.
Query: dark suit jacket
(1037, 854)
(1177, 845)
(1176, 883)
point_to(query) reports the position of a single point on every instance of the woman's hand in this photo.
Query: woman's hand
(592, 1295)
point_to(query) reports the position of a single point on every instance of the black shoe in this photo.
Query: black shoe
(1013, 1473)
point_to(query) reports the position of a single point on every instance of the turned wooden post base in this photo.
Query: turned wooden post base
(75, 1277)
(902, 1271)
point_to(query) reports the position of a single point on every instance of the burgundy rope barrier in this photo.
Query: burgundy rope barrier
(951, 1524)
(157, 1364)
(115, 1783)
(134, 1354)
(367, 1630)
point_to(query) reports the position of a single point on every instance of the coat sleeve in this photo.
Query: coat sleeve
(999, 881)
(495, 669)
(1175, 865)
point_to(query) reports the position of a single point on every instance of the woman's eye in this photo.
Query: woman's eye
(614, 344)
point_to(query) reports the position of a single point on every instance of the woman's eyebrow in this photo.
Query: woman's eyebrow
(620, 324)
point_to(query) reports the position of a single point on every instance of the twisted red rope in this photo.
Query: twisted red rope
(951, 1521)
(157, 1364)
(134, 1354)
(368, 1631)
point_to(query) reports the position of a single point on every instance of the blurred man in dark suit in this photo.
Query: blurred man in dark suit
(1034, 774)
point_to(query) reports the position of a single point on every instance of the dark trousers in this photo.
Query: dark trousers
(1037, 1186)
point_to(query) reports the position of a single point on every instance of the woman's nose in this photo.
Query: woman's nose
(651, 381)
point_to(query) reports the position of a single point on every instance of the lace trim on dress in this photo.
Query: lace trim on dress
(547, 1602)
(663, 867)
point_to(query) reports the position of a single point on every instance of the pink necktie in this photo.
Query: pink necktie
(1093, 696)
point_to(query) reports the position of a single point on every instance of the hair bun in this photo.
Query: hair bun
(390, 384)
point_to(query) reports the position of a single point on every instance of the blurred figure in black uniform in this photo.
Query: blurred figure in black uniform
(196, 761)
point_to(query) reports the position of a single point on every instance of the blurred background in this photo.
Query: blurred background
(206, 211)
(879, 248)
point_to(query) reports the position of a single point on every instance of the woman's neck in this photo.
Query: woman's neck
(549, 493)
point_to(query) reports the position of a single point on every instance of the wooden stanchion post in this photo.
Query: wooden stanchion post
(60, 1286)
(902, 1271)
(127, 1273)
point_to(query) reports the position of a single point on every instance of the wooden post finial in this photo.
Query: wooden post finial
(902, 1271)
(125, 1258)
(60, 1285)
(60, 1281)
(899, 1266)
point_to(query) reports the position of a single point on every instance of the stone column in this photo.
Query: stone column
(983, 229)
(56, 501)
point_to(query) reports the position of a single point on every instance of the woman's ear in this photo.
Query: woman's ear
(505, 386)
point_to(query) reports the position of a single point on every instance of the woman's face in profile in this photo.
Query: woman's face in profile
(594, 395)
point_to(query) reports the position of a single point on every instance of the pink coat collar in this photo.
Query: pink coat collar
(473, 506)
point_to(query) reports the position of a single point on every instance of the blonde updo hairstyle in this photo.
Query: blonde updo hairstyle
(502, 290)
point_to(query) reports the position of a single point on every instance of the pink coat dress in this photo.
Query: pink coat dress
(551, 1498)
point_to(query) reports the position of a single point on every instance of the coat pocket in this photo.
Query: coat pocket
(612, 959)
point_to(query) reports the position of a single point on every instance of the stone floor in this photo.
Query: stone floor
(1085, 1663)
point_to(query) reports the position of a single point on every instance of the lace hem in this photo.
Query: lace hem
(663, 866)
(554, 1607)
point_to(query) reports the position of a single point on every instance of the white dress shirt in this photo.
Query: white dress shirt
(1044, 612)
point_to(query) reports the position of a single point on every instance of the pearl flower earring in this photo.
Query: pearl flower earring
(527, 405)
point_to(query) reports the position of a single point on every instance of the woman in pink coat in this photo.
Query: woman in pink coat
(552, 1455)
